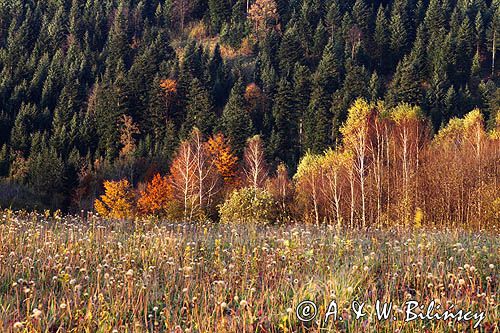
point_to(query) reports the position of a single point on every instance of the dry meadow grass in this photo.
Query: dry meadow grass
(85, 274)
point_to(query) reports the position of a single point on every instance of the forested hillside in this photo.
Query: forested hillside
(108, 89)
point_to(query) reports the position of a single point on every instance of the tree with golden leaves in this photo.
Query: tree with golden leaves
(407, 136)
(335, 165)
(281, 188)
(128, 129)
(156, 198)
(118, 200)
(355, 132)
(308, 182)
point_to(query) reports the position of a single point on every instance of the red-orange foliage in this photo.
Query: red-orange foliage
(156, 198)
(169, 86)
(223, 158)
(253, 93)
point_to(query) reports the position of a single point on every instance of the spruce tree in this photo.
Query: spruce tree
(317, 121)
(290, 50)
(328, 73)
(320, 39)
(236, 122)
(285, 135)
(302, 91)
(381, 39)
(218, 11)
(375, 87)
(199, 111)
(405, 86)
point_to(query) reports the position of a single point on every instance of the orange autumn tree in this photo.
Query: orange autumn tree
(169, 87)
(118, 200)
(156, 198)
(224, 160)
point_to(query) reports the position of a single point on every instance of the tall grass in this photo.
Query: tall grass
(86, 274)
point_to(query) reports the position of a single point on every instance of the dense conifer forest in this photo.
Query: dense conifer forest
(95, 90)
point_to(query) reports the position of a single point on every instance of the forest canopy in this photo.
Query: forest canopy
(101, 90)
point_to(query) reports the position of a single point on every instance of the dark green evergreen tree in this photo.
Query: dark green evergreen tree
(284, 141)
(236, 122)
(405, 86)
(218, 11)
(199, 111)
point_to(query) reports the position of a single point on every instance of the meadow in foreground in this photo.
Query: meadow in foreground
(86, 274)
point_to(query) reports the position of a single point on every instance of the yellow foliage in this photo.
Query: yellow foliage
(357, 121)
(419, 216)
(404, 112)
(198, 31)
(459, 127)
(310, 163)
(334, 160)
(117, 201)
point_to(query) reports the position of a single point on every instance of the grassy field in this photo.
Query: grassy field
(84, 274)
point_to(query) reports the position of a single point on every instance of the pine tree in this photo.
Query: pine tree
(328, 72)
(302, 91)
(219, 78)
(381, 39)
(355, 86)
(199, 110)
(375, 87)
(45, 174)
(218, 10)
(405, 86)
(398, 31)
(4, 161)
(284, 137)
(290, 50)
(361, 15)
(23, 126)
(320, 39)
(236, 122)
(317, 122)
(435, 98)
(418, 54)
(118, 46)
(464, 50)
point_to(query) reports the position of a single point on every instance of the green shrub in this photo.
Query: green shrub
(248, 205)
